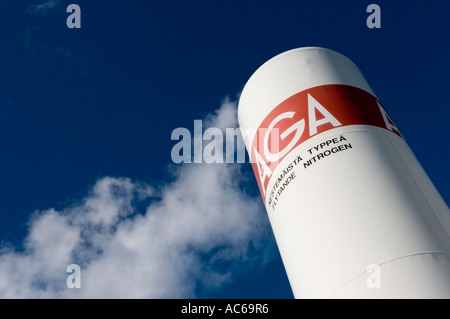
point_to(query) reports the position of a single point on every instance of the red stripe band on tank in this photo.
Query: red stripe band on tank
(306, 114)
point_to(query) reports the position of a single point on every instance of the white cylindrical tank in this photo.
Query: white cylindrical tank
(353, 212)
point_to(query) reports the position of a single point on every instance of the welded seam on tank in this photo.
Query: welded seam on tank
(386, 262)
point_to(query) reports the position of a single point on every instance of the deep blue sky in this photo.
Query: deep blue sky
(79, 104)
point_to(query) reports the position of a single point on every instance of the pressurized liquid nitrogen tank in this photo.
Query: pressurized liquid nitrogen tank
(353, 212)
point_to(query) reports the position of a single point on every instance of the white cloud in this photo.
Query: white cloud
(134, 240)
(43, 7)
